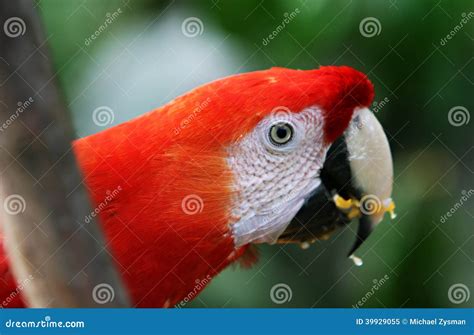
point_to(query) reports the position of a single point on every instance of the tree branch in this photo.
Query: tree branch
(44, 200)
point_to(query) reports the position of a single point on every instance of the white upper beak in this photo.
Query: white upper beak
(370, 159)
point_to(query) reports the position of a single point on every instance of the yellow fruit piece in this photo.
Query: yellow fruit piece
(342, 203)
(352, 207)
(391, 209)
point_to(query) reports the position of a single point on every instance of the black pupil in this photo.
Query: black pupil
(281, 132)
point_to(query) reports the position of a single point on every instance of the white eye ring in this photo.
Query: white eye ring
(281, 133)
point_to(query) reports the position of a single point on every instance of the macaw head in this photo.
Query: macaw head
(303, 152)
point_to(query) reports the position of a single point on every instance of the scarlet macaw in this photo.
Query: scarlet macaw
(271, 156)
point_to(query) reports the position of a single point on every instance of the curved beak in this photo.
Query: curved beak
(356, 183)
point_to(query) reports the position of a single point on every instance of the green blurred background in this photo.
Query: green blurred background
(142, 59)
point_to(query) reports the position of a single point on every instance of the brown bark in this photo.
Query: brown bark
(43, 200)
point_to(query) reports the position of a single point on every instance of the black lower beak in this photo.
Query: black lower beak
(320, 216)
(365, 228)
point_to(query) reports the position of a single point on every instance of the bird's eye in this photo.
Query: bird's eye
(281, 133)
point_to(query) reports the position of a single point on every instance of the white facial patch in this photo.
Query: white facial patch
(275, 173)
